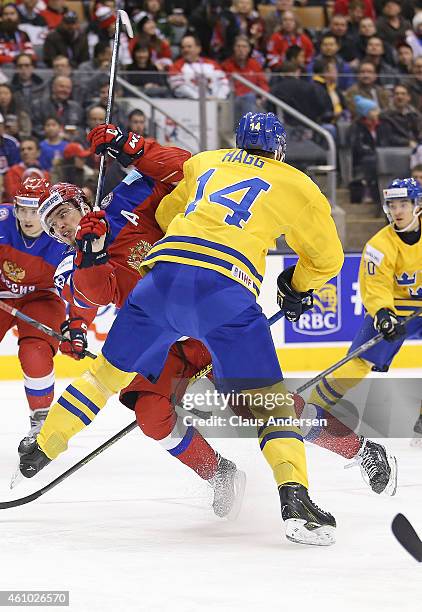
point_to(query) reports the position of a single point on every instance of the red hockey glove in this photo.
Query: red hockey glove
(74, 330)
(92, 240)
(124, 146)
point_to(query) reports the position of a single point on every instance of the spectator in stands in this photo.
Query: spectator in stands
(414, 37)
(185, 73)
(52, 147)
(404, 58)
(391, 26)
(401, 125)
(148, 35)
(216, 27)
(417, 172)
(329, 99)
(32, 22)
(415, 84)
(62, 67)
(365, 137)
(242, 63)
(30, 154)
(119, 116)
(387, 75)
(67, 39)
(366, 87)
(355, 14)
(26, 84)
(154, 10)
(297, 92)
(250, 23)
(367, 29)
(9, 150)
(329, 49)
(53, 13)
(13, 40)
(341, 7)
(10, 106)
(104, 25)
(296, 55)
(346, 42)
(101, 61)
(287, 36)
(95, 115)
(74, 167)
(144, 73)
(57, 104)
(137, 122)
(273, 19)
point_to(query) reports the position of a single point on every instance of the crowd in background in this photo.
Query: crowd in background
(363, 66)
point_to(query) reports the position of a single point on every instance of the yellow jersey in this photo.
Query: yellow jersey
(231, 207)
(390, 273)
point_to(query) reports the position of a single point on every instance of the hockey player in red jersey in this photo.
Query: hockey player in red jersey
(28, 260)
(109, 246)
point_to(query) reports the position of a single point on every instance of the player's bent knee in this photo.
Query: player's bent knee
(43, 364)
(155, 415)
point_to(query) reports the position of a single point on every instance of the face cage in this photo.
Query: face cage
(416, 203)
(77, 204)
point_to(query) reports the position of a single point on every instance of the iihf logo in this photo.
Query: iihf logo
(325, 316)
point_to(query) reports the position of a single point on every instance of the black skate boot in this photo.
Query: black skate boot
(32, 458)
(377, 466)
(305, 523)
(229, 487)
(417, 428)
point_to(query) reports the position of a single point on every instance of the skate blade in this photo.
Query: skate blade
(391, 487)
(16, 478)
(296, 531)
(239, 492)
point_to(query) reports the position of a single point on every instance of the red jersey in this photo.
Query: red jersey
(252, 71)
(279, 43)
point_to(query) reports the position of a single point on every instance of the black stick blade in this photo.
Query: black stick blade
(407, 536)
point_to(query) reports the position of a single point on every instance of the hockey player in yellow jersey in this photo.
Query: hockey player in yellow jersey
(390, 278)
(203, 281)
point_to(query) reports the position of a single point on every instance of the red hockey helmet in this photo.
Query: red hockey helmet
(30, 191)
(55, 196)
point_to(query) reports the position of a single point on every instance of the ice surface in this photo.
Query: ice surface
(134, 530)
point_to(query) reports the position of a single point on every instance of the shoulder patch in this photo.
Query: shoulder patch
(372, 254)
(133, 176)
(4, 213)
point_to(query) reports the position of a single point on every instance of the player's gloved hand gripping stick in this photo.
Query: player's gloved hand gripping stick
(44, 328)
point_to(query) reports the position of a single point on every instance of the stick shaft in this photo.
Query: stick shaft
(38, 325)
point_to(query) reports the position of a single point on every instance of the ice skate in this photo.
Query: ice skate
(377, 466)
(304, 522)
(229, 487)
(36, 422)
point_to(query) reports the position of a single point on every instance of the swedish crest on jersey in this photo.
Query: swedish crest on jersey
(137, 254)
(325, 316)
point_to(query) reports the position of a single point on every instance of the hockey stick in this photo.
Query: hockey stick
(29, 498)
(407, 536)
(358, 351)
(33, 496)
(122, 19)
(40, 326)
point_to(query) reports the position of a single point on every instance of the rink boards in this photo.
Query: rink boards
(317, 341)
